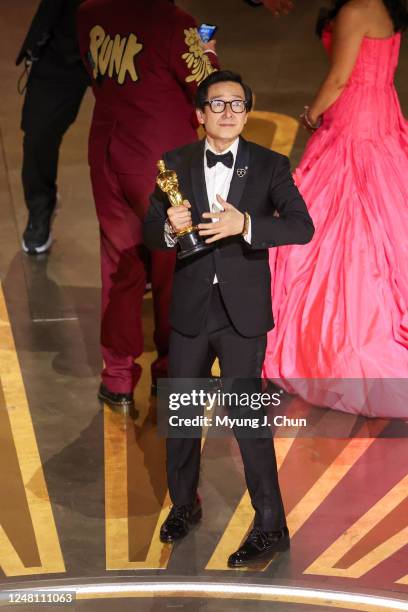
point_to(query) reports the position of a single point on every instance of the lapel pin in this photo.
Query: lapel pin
(241, 172)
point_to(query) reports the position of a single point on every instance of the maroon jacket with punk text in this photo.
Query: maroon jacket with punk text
(145, 61)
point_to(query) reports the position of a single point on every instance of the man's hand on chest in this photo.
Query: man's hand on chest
(230, 222)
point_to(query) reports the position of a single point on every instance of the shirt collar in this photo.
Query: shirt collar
(233, 148)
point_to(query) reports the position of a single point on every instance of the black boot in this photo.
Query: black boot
(119, 402)
(37, 234)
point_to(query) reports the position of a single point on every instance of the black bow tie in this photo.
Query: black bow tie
(227, 159)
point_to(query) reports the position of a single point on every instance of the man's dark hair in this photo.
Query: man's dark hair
(221, 76)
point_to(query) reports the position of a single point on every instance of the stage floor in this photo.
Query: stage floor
(83, 490)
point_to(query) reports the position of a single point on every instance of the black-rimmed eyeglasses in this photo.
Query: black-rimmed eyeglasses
(218, 106)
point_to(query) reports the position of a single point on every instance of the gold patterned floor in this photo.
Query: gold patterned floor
(83, 491)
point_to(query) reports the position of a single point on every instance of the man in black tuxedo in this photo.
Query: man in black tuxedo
(221, 300)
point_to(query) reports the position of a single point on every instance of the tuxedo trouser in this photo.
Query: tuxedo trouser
(121, 204)
(239, 357)
(51, 105)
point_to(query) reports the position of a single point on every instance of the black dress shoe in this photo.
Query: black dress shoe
(119, 402)
(177, 524)
(260, 545)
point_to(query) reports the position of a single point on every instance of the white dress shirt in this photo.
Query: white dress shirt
(218, 178)
(217, 181)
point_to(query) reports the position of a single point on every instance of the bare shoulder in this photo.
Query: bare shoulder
(354, 16)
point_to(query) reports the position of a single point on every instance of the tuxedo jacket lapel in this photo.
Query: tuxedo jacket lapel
(239, 177)
(198, 181)
(238, 181)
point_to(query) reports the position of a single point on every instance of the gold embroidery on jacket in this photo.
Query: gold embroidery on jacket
(197, 61)
(117, 56)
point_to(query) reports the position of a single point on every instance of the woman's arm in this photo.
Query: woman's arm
(349, 29)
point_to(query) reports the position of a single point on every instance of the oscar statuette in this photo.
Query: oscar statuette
(189, 240)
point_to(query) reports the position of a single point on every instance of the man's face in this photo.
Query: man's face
(226, 125)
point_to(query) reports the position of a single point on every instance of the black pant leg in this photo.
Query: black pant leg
(50, 107)
(261, 476)
(188, 358)
(242, 357)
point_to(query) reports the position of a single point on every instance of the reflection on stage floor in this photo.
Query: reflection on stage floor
(83, 490)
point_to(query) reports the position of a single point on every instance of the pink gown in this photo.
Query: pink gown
(341, 302)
